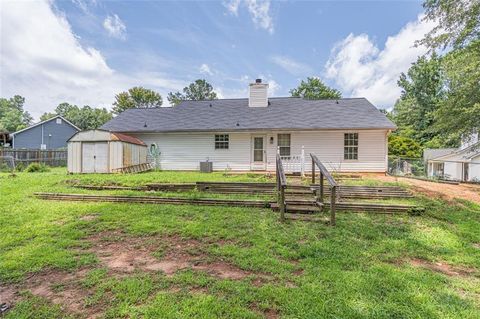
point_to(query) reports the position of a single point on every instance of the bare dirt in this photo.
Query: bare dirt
(448, 192)
(443, 268)
(122, 253)
(59, 287)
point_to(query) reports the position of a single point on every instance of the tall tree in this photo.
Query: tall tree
(458, 22)
(422, 91)
(136, 97)
(198, 91)
(459, 113)
(314, 89)
(85, 118)
(12, 115)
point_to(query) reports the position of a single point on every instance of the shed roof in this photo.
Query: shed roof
(286, 113)
(126, 138)
(100, 135)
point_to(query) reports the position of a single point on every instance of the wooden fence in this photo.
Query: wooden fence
(27, 156)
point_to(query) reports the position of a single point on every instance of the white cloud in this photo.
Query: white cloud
(42, 60)
(115, 26)
(259, 12)
(205, 69)
(232, 6)
(291, 66)
(360, 68)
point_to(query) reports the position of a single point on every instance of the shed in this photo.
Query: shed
(100, 151)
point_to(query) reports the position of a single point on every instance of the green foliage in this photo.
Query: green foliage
(199, 90)
(136, 97)
(314, 89)
(12, 115)
(423, 88)
(85, 118)
(401, 146)
(457, 22)
(37, 168)
(459, 114)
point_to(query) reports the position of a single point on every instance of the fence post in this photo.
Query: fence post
(333, 196)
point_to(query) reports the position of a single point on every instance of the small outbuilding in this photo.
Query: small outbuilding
(100, 151)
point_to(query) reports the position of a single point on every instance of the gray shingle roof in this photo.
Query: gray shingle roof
(235, 114)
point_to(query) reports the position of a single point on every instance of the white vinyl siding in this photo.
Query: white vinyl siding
(184, 151)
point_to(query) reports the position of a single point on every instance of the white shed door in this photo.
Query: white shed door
(94, 157)
(101, 157)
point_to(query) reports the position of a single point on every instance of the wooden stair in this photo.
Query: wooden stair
(312, 207)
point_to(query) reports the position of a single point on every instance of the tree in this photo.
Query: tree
(458, 22)
(314, 89)
(459, 114)
(401, 146)
(199, 90)
(136, 97)
(85, 118)
(423, 88)
(12, 115)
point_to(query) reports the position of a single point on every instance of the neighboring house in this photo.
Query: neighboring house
(246, 134)
(49, 134)
(462, 164)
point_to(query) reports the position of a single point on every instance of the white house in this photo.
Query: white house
(246, 134)
(462, 164)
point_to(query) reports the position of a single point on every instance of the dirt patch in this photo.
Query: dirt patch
(122, 253)
(443, 268)
(59, 287)
(448, 192)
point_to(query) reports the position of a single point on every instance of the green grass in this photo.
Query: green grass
(358, 269)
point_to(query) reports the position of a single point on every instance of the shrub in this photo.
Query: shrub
(37, 168)
(20, 166)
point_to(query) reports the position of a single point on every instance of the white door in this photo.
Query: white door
(88, 154)
(94, 157)
(259, 153)
(101, 157)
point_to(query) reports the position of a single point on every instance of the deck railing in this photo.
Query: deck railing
(281, 186)
(294, 163)
(325, 174)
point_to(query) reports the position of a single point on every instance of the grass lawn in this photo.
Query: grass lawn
(79, 260)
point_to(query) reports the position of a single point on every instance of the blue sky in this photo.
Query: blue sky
(85, 51)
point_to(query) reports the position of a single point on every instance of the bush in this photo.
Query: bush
(37, 168)
(20, 167)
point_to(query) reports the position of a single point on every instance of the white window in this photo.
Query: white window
(284, 144)
(221, 141)
(350, 146)
(59, 121)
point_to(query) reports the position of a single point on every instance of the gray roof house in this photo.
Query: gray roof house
(246, 134)
(49, 134)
